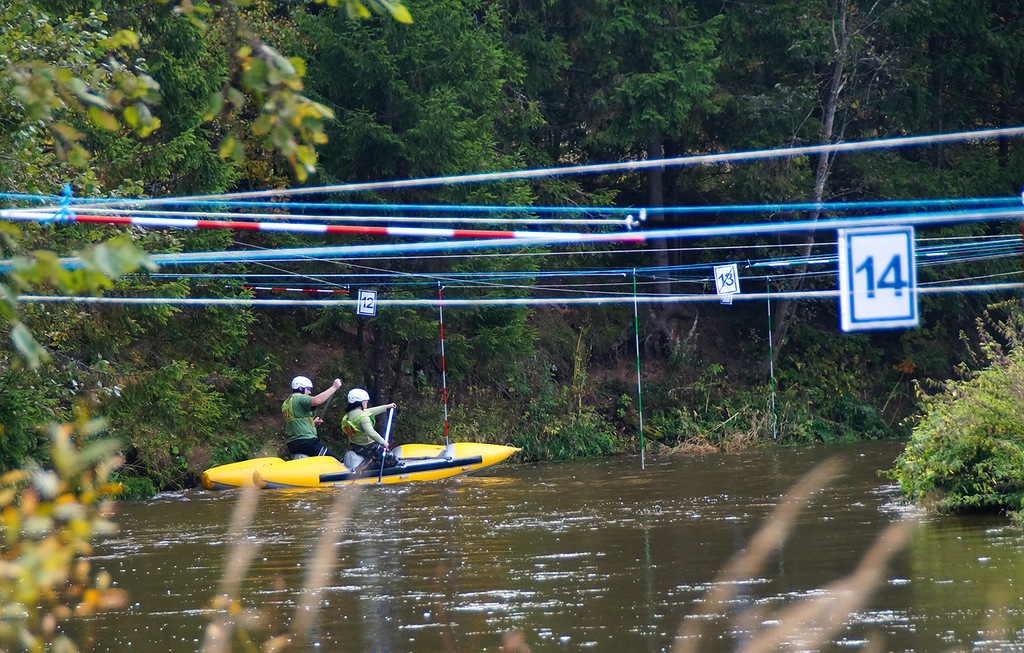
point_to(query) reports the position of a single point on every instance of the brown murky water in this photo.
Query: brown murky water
(583, 556)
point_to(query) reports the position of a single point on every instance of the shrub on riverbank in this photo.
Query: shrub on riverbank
(967, 451)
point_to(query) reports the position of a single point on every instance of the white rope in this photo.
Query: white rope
(703, 159)
(553, 238)
(508, 301)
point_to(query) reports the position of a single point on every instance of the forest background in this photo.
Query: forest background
(486, 86)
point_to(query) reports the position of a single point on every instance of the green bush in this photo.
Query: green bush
(23, 412)
(967, 451)
(134, 487)
(163, 417)
(569, 436)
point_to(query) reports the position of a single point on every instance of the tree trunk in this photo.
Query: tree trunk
(379, 383)
(656, 199)
(937, 82)
(784, 314)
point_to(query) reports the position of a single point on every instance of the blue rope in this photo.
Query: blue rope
(793, 207)
(64, 214)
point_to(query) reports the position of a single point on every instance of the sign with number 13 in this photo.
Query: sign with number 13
(877, 278)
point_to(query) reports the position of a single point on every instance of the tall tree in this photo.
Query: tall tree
(636, 77)
(796, 73)
(441, 96)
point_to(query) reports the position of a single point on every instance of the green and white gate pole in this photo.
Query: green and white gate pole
(639, 389)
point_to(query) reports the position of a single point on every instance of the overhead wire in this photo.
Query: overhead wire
(964, 251)
(556, 238)
(495, 301)
(601, 168)
(980, 209)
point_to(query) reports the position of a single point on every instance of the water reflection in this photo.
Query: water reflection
(587, 556)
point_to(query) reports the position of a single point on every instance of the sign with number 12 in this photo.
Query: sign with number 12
(877, 278)
(367, 304)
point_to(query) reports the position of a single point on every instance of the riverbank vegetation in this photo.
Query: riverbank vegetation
(469, 87)
(966, 452)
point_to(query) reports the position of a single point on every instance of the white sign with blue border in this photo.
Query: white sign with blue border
(877, 278)
(367, 303)
(727, 281)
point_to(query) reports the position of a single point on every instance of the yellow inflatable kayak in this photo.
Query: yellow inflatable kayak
(417, 462)
(235, 474)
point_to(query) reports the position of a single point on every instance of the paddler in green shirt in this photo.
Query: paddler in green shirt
(300, 420)
(358, 425)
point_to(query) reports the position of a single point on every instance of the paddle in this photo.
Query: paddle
(327, 403)
(387, 435)
(323, 409)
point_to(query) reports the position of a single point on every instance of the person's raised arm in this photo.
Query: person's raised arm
(326, 394)
(377, 410)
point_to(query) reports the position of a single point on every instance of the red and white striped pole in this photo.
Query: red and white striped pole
(290, 227)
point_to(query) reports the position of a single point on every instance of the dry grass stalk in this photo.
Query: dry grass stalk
(747, 562)
(321, 564)
(231, 621)
(243, 550)
(808, 624)
(240, 554)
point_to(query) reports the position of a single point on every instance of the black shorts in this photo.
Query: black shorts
(310, 447)
(374, 452)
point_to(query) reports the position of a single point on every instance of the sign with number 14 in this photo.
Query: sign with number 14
(877, 278)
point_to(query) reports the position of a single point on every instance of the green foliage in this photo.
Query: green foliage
(77, 76)
(135, 487)
(424, 99)
(164, 416)
(654, 64)
(99, 266)
(79, 70)
(828, 403)
(553, 436)
(23, 411)
(674, 426)
(557, 425)
(967, 449)
(237, 446)
(815, 416)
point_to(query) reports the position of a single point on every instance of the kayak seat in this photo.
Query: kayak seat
(352, 459)
(299, 455)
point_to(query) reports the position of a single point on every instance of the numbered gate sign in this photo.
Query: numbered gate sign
(727, 282)
(367, 303)
(877, 278)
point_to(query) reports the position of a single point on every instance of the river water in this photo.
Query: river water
(582, 556)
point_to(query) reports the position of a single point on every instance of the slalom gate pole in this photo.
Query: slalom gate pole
(771, 355)
(387, 438)
(639, 391)
(444, 375)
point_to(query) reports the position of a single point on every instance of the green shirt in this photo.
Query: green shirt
(358, 424)
(298, 417)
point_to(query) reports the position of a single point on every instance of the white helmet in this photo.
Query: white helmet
(301, 383)
(358, 395)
